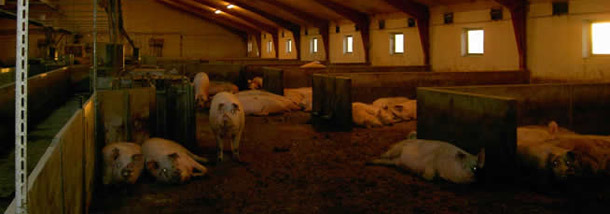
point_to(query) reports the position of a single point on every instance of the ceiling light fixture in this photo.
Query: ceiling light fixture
(230, 6)
(217, 11)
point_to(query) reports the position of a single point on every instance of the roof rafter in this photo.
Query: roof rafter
(230, 25)
(266, 27)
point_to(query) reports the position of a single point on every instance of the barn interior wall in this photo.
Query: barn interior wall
(266, 53)
(283, 54)
(184, 35)
(556, 43)
(380, 54)
(306, 53)
(500, 50)
(336, 41)
(255, 52)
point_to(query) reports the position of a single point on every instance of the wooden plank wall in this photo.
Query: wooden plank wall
(62, 181)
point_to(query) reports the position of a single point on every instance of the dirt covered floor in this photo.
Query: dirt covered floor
(290, 168)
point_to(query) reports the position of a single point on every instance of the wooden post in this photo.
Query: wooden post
(342, 109)
(273, 80)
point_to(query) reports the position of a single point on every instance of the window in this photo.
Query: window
(313, 47)
(249, 47)
(397, 43)
(600, 38)
(269, 46)
(348, 44)
(474, 41)
(289, 46)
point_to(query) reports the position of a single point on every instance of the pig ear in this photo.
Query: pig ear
(136, 157)
(235, 107)
(553, 127)
(481, 158)
(152, 165)
(173, 156)
(398, 107)
(460, 155)
(115, 153)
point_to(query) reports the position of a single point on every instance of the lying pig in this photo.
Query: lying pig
(401, 107)
(301, 96)
(227, 119)
(430, 158)
(592, 152)
(255, 83)
(365, 115)
(529, 135)
(123, 163)
(201, 84)
(551, 161)
(261, 103)
(217, 87)
(169, 162)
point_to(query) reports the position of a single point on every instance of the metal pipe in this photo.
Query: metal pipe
(21, 110)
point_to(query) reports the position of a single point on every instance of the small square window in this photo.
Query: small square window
(348, 44)
(474, 42)
(600, 38)
(289, 46)
(269, 46)
(313, 47)
(397, 43)
(249, 47)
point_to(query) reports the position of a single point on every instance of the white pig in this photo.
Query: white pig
(401, 107)
(255, 83)
(365, 115)
(218, 86)
(261, 103)
(201, 84)
(430, 158)
(123, 163)
(301, 96)
(170, 162)
(553, 161)
(227, 119)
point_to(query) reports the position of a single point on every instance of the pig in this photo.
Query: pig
(365, 115)
(123, 163)
(261, 103)
(592, 152)
(301, 96)
(431, 158)
(551, 161)
(227, 119)
(169, 162)
(218, 86)
(528, 135)
(201, 85)
(255, 83)
(401, 107)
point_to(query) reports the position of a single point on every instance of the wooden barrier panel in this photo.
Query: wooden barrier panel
(62, 181)
(487, 116)
(458, 118)
(272, 80)
(332, 105)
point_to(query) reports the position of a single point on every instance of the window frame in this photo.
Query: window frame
(289, 46)
(269, 46)
(393, 43)
(313, 45)
(465, 43)
(590, 37)
(250, 47)
(346, 44)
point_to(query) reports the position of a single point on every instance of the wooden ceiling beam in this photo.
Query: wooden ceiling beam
(219, 6)
(422, 15)
(230, 25)
(360, 19)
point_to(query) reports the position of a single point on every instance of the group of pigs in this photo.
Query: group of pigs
(384, 111)
(557, 153)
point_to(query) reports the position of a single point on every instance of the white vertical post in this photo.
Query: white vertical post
(21, 104)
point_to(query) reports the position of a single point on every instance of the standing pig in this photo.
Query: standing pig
(201, 85)
(123, 163)
(430, 158)
(169, 162)
(255, 83)
(227, 119)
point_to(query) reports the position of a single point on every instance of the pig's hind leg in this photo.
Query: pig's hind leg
(235, 146)
(202, 170)
(220, 149)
